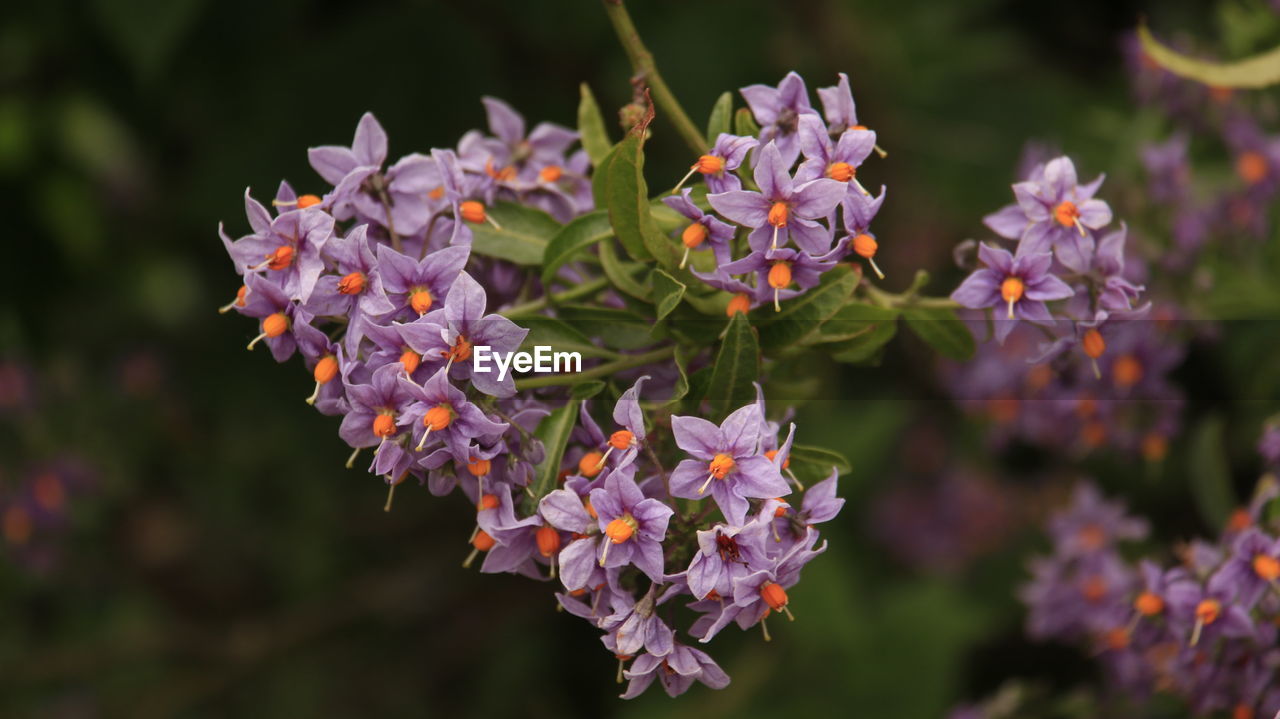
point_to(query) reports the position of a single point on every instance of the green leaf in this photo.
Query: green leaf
(573, 238)
(587, 390)
(853, 320)
(681, 387)
(800, 316)
(744, 123)
(626, 195)
(721, 114)
(942, 330)
(864, 348)
(615, 328)
(667, 292)
(521, 237)
(822, 458)
(1210, 474)
(561, 337)
(1254, 72)
(622, 274)
(554, 431)
(591, 127)
(737, 365)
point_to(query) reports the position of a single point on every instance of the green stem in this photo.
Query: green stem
(604, 370)
(642, 64)
(909, 297)
(586, 289)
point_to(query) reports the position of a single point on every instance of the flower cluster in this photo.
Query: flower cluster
(1204, 630)
(805, 194)
(1078, 362)
(35, 506)
(379, 284)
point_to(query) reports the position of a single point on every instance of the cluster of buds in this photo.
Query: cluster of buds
(1073, 344)
(381, 284)
(803, 192)
(1204, 630)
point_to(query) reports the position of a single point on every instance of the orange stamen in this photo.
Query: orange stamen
(841, 171)
(472, 211)
(420, 300)
(305, 201)
(384, 425)
(352, 284)
(590, 464)
(1148, 604)
(548, 540)
(550, 173)
(281, 258)
(738, 304)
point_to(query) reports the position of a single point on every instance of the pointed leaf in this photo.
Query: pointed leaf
(573, 238)
(941, 330)
(667, 292)
(1254, 72)
(622, 274)
(591, 127)
(561, 337)
(744, 123)
(1210, 473)
(736, 367)
(554, 431)
(521, 237)
(721, 114)
(800, 316)
(824, 459)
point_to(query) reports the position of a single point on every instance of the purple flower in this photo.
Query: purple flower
(415, 287)
(505, 156)
(1269, 444)
(1091, 523)
(636, 626)
(839, 160)
(676, 671)
(1022, 283)
(440, 410)
(719, 164)
(449, 335)
(633, 525)
(778, 110)
(368, 149)
(727, 554)
(1054, 212)
(1251, 571)
(781, 204)
(356, 291)
(627, 413)
(326, 360)
(286, 249)
(1117, 293)
(705, 228)
(776, 271)
(728, 462)
(266, 301)
(374, 408)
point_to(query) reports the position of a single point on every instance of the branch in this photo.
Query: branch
(642, 64)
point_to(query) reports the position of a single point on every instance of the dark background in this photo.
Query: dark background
(220, 561)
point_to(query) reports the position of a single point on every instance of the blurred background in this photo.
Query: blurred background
(200, 550)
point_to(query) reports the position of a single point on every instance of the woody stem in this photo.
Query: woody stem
(643, 65)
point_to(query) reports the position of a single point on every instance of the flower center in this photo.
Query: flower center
(1148, 604)
(1207, 611)
(841, 171)
(275, 325)
(1268, 568)
(621, 529)
(420, 300)
(621, 439)
(281, 258)
(1011, 289)
(709, 165)
(384, 425)
(326, 369)
(1092, 537)
(779, 275)
(438, 417)
(352, 284)
(548, 540)
(436, 193)
(305, 201)
(472, 211)
(410, 360)
(483, 541)
(774, 595)
(1127, 371)
(778, 214)
(1251, 167)
(774, 453)
(550, 173)
(721, 465)
(1066, 213)
(1117, 639)
(1093, 343)
(479, 467)
(1094, 589)
(460, 351)
(694, 235)
(738, 304)
(487, 501)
